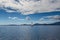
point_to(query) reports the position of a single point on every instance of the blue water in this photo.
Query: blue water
(39, 32)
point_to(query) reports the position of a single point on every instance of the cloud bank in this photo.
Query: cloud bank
(26, 7)
(50, 19)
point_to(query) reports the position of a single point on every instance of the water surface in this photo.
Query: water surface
(37, 32)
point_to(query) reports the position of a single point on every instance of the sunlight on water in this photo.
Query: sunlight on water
(41, 32)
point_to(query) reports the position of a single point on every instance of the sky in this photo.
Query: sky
(28, 11)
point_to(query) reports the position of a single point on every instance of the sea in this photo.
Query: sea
(36, 32)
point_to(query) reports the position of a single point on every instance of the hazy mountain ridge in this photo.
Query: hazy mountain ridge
(56, 23)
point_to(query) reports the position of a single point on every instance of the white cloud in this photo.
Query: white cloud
(9, 10)
(15, 18)
(28, 18)
(55, 17)
(30, 6)
(50, 19)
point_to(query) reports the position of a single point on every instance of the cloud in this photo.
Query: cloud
(55, 17)
(15, 18)
(28, 18)
(30, 6)
(50, 19)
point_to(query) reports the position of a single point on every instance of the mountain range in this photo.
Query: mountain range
(56, 23)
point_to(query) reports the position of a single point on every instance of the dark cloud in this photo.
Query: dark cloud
(36, 0)
(57, 8)
(53, 1)
(32, 0)
(9, 8)
(17, 0)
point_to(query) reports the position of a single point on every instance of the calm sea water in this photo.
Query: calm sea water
(40, 32)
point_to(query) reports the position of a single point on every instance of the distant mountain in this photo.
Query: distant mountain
(37, 24)
(13, 25)
(56, 23)
(25, 24)
(10, 25)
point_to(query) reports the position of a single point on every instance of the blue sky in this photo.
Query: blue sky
(27, 11)
(18, 18)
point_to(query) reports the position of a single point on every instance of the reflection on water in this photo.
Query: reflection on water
(41, 32)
